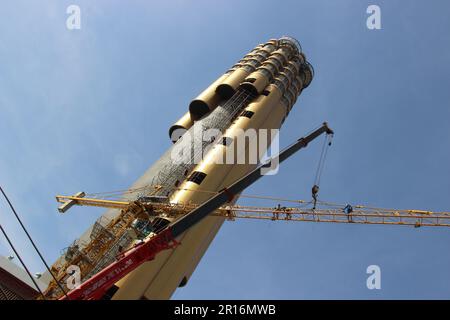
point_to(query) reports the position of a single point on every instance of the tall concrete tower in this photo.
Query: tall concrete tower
(257, 93)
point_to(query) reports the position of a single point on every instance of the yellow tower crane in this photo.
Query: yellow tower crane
(137, 216)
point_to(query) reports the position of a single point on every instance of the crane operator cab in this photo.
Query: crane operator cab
(142, 227)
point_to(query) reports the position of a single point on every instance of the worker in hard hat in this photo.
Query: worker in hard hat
(348, 209)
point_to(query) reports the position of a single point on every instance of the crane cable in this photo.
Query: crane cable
(32, 241)
(323, 155)
(320, 166)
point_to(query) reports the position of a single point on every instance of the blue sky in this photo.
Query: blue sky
(90, 109)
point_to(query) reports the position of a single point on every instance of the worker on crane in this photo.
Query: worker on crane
(315, 191)
(276, 212)
(348, 209)
(287, 211)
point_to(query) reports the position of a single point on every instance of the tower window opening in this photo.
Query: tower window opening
(197, 177)
(247, 114)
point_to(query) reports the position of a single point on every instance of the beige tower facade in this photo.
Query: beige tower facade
(257, 93)
(274, 73)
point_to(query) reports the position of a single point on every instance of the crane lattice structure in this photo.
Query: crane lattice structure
(105, 236)
(330, 213)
